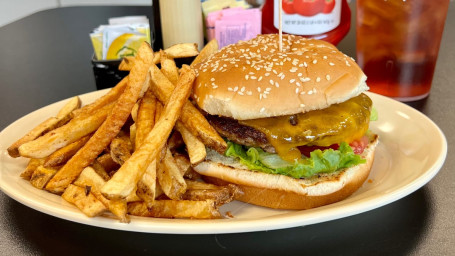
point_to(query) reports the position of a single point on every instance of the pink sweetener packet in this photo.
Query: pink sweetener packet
(244, 25)
(212, 17)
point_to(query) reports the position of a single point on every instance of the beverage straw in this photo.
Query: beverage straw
(280, 26)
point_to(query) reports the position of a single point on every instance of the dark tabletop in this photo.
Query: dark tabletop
(45, 58)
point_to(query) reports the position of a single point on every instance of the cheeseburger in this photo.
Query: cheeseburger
(296, 121)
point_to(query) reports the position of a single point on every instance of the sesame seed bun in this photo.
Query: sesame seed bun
(253, 79)
(283, 192)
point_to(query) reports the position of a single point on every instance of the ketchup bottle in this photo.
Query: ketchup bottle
(328, 20)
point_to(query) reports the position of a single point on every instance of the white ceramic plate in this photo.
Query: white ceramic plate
(412, 149)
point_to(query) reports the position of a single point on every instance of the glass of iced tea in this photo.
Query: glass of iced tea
(398, 43)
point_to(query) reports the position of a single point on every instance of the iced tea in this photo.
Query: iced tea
(398, 43)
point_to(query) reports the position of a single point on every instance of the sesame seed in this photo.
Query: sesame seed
(315, 61)
(291, 81)
(274, 71)
(297, 83)
(240, 93)
(306, 65)
(277, 85)
(296, 90)
(249, 93)
(230, 89)
(331, 64)
(271, 82)
(310, 92)
(299, 74)
(318, 79)
(302, 105)
(260, 78)
(327, 77)
(253, 77)
(259, 89)
(236, 88)
(246, 77)
(268, 89)
(347, 64)
(262, 110)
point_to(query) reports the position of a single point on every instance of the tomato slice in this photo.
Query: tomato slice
(358, 146)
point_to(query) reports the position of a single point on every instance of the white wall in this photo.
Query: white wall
(12, 10)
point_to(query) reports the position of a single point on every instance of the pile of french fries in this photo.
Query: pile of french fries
(131, 151)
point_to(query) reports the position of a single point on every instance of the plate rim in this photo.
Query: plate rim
(287, 220)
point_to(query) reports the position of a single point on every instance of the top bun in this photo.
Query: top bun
(253, 79)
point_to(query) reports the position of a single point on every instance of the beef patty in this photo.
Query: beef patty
(239, 133)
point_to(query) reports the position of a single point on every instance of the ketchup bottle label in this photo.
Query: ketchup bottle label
(308, 17)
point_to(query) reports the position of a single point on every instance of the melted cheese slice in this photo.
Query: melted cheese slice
(347, 121)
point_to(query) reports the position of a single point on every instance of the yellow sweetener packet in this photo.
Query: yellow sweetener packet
(117, 41)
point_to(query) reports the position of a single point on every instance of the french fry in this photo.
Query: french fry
(190, 117)
(110, 128)
(145, 122)
(134, 111)
(185, 167)
(176, 209)
(202, 191)
(126, 64)
(107, 163)
(169, 68)
(41, 176)
(99, 169)
(67, 110)
(145, 117)
(146, 187)
(86, 202)
(182, 50)
(89, 177)
(31, 167)
(170, 177)
(195, 147)
(62, 117)
(119, 208)
(208, 50)
(111, 96)
(64, 135)
(62, 155)
(156, 58)
(133, 135)
(121, 148)
(125, 179)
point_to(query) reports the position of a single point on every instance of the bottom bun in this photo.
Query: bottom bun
(283, 192)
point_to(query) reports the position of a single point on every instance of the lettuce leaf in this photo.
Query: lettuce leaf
(326, 161)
